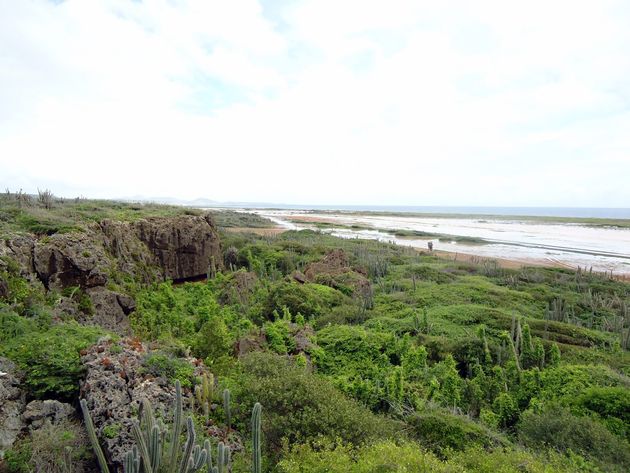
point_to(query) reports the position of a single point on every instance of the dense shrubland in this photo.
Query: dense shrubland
(440, 366)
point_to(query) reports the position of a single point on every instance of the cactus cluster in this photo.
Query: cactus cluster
(148, 455)
(204, 393)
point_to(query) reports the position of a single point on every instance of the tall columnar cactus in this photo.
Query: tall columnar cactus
(256, 445)
(223, 458)
(177, 428)
(226, 408)
(89, 426)
(150, 435)
(204, 393)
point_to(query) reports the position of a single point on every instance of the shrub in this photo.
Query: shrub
(557, 428)
(170, 368)
(383, 457)
(301, 407)
(611, 405)
(441, 431)
(50, 442)
(50, 358)
(311, 300)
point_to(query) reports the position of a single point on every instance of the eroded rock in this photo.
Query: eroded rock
(148, 250)
(114, 387)
(12, 402)
(49, 410)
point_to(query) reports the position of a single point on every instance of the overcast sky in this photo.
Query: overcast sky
(317, 101)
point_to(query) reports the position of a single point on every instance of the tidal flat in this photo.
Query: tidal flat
(564, 242)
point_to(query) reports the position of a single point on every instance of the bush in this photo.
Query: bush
(440, 431)
(170, 368)
(518, 461)
(310, 300)
(50, 358)
(557, 428)
(49, 443)
(301, 407)
(381, 457)
(404, 457)
(611, 405)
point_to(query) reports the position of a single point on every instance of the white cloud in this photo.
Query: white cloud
(409, 102)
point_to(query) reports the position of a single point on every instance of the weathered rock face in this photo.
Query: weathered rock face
(74, 259)
(12, 402)
(149, 250)
(114, 387)
(184, 246)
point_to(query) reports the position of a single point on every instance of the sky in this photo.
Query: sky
(404, 102)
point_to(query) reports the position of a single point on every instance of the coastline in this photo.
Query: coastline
(513, 242)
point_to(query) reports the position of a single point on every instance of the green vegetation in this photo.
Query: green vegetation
(24, 213)
(379, 359)
(158, 448)
(47, 353)
(232, 219)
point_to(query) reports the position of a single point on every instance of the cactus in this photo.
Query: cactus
(150, 436)
(226, 408)
(89, 426)
(204, 392)
(177, 427)
(256, 449)
(131, 463)
(223, 459)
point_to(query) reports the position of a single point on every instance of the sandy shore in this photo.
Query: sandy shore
(454, 256)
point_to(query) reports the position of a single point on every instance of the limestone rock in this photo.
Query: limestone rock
(71, 259)
(12, 402)
(148, 250)
(108, 312)
(114, 387)
(184, 246)
(38, 412)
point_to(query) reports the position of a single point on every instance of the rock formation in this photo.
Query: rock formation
(95, 260)
(12, 401)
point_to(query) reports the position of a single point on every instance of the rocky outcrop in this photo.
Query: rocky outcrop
(113, 389)
(334, 270)
(12, 402)
(74, 259)
(117, 380)
(184, 246)
(37, 413)
(147, 250)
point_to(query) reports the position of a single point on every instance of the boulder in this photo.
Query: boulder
(39, 412)
(334, 270)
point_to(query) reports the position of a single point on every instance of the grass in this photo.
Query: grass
(25, 214)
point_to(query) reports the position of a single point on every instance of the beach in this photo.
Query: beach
(521, 240)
